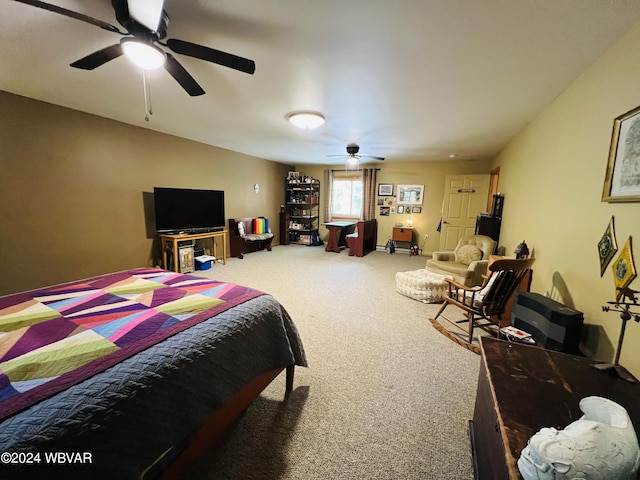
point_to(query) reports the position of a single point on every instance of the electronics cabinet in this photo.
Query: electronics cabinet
(300, 220)
(178, 249)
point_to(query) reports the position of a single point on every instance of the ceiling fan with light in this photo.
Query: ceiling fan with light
(145, 23)
(353, 157)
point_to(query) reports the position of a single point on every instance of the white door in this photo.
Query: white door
(465, 196)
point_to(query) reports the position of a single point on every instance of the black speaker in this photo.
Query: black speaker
(496, 205)
(488, 225)
(552, 324)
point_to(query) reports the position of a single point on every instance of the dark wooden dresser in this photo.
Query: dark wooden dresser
(522, 389)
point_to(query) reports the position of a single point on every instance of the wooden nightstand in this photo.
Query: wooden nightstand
(402, 234)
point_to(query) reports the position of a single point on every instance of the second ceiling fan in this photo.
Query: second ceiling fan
(353, 155)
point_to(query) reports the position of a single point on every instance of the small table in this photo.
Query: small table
(337, 234)
(402, 234)
(194, 236)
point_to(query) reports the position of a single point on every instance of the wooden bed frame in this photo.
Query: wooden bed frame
(223, 418)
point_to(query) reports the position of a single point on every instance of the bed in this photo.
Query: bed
(129, 374)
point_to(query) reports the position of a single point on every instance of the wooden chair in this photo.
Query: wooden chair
(483, 305)
(363, 240)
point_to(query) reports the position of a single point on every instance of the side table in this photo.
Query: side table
(174, 239)
(402, 234)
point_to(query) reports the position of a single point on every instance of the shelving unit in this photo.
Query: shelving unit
(301, 218)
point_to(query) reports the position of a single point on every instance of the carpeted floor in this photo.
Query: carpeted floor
(385, 396)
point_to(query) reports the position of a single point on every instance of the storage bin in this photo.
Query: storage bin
(203, 262)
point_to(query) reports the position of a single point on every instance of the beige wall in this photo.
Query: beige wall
(431, 175)
(552, 176)
(73, 189)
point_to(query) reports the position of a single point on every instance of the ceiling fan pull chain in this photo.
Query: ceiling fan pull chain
(147, 96)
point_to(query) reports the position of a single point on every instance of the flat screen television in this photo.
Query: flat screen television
(188, 210)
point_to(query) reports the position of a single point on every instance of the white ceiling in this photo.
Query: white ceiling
(405, 79)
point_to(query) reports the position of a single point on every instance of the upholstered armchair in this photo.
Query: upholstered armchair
(467, 263)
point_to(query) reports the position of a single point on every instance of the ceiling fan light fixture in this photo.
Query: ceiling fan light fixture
(352, 160)
(306, 120)
(142, 54)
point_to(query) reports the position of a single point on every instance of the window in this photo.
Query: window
(346, 197)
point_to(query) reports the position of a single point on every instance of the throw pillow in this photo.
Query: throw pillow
(260, 225)
(467, 254)
(241, 231)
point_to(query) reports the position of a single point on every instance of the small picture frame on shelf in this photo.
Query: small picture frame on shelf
(293, 176)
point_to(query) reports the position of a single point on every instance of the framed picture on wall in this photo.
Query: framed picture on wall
(622, 177)
(416, 210)
(385, 189)
(400, 208)
(410, 194)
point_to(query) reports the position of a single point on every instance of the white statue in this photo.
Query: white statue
(601, 445)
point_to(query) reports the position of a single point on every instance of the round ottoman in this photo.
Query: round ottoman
(421, 285)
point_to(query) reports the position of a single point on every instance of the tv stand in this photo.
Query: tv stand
(178, 237)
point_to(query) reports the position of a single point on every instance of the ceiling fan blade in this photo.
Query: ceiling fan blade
(98, 58)
(146, 12)
(72, 14)
(183, 77)
(212, 55)
(371, 156)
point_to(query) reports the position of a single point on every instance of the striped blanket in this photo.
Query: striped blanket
(55, 337)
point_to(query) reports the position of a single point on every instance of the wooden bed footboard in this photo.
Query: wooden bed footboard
(223, 418)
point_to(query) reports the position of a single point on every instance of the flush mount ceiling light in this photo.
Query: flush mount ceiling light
(306, 120)
(145, 55)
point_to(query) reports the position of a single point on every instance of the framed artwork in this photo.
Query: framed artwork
(407, 209)
(400, 208)
(624, 270)
(416, 210)
(410, 194)
(607, 247)
(384, 211)
(622, 178)
(385, 189)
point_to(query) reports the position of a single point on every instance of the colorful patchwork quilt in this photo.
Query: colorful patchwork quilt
(55, 337)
